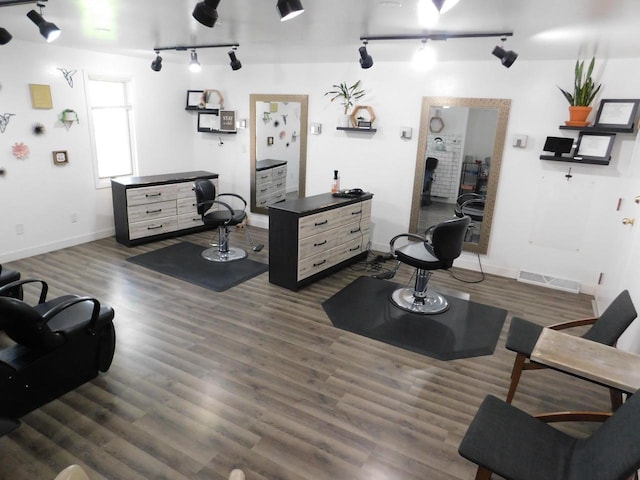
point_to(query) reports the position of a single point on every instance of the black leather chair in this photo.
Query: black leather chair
(57, 345)
(605, 329)
(8, 276)
(472, 205)
(221, 215)
(509, 442)
(436, 250)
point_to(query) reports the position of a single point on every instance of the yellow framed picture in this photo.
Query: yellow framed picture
(40, 96)
(60, 157)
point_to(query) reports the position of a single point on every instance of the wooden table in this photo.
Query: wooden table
(588, 360)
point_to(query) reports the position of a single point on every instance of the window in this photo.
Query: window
(111, 128)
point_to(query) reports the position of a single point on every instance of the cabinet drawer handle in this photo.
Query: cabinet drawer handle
(262, 190)
(154, 211)
(354, 248)
(354, 231)
(319, 244)
(159, 194)
(356, 213)
(279, 184)
(264, 176)
(321, 223)
(320, 263)
(154, 228)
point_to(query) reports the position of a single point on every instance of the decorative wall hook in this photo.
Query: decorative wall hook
(4, 121)
(568, 175)
(68, 75)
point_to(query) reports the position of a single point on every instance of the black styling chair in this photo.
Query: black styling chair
(471, 205)
(58, 345)
(511, 443)
(436, 250)
(221, 215)
(8, 276)
(429, 175)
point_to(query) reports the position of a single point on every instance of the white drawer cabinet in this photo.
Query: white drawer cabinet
(314, 236)
(155, 207)
(270, 182)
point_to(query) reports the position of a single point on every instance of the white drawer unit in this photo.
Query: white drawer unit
(155, 207)
(314, 236)
(270, 182)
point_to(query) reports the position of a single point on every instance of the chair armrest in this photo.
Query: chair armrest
(574, 417)
(225, 205)
(414, 236)
(573, 323)
(43, 289)
(95, 314)
(234, 195)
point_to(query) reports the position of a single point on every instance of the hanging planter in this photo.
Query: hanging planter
(68, 117)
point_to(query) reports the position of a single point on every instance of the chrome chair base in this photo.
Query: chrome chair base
(431, 304)
(215, 255)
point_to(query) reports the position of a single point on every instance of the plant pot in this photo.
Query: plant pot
(578, 116)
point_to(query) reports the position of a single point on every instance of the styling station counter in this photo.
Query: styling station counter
(154, 207)
(311, 237)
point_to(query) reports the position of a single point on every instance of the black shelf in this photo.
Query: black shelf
(353, 129)
(600, 129)
(575, 160)
(203, 130)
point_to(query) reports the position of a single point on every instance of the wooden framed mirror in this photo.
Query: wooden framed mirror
(278, 149)
(458, 167)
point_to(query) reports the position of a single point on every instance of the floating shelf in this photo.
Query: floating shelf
(574, 160)
(353, 129)
(599, 129)
(203, 130)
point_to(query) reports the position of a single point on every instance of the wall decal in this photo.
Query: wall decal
(4, 121)
(40, 96)
(38, 129)
(20, 150)
(68, 75)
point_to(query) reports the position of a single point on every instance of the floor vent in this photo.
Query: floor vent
(549, 282)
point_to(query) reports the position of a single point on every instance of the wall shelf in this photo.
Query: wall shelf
(206, 130)
(574, 160)
(599, 129)
(353, 129)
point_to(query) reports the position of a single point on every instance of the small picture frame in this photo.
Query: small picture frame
(193, 99)
(617, 114)
(40, 96)
(60, 157)
(208, 121)
(227, 120)
(594, 147)
(269, 140)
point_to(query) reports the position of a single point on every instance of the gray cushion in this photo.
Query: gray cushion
(613, 321)
(522, 336)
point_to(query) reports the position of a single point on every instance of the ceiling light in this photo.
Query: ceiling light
(366, 61)
(444, 5)
(5, 36)
(289, 9)
(156, 65)
(47, 29)
(428, 14)
(235, 63)
(205, 12)
(425, 57)
(194, 64)
(507, 57)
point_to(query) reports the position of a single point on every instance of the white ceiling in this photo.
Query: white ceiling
(330, 30)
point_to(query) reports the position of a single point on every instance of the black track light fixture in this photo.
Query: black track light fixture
(289, 9)
(5, 36)
(507, 57)
(366, 61)
(444, 5)
(47, 29)
(156, 65)
(235, 63)
(205, 12)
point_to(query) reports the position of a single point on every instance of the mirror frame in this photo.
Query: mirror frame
(304, 107)
(502, 106)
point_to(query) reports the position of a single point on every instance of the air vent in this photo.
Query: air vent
(549, 281)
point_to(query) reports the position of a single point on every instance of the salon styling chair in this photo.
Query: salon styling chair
(472, 205)
(431, 163)
(222, 215)
(8, 276)
(435, 250)
(57, 345)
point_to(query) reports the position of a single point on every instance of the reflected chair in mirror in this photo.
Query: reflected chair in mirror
(8, 276)
(431, 163)
(605, 329)
(435, 250)
(220, 214)
(51, 347)
(471, 205)
(504, 440)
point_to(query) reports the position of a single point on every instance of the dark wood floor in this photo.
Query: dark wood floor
(257, 378)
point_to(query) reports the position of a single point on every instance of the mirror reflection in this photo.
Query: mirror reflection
(278, 149)
(458, 164)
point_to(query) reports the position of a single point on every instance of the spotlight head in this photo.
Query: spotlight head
(156, 65)
(507, 57)
(205, 12)
(235, 63)
(289, 9)
(47, 29)
(5, 36)
(366, 61)
(444, 5)
(194, 64)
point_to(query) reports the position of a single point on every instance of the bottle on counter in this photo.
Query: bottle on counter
(335, 185)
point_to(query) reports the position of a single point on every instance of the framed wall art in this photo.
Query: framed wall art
(227, 120)
(594, 147)
(60, 157)
(617, 114)
(40, 96)
(193, 100)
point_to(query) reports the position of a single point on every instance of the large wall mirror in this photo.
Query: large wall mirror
(458, 164)
(278, 149)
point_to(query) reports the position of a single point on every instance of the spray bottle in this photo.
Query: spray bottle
(335, 185)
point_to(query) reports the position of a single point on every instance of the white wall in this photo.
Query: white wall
(542, 221)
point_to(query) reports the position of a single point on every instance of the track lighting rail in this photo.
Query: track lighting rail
(435, 36)
(182, 48)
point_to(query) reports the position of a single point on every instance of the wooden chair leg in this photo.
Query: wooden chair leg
(483, 474)
(616, 399)
(518, 366)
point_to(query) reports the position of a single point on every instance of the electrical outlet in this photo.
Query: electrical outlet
(19, 229)
(74, 217)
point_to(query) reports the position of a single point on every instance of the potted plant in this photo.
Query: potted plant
(584, 91)
(348, 96)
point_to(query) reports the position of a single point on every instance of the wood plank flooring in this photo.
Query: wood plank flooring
(257, 378)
